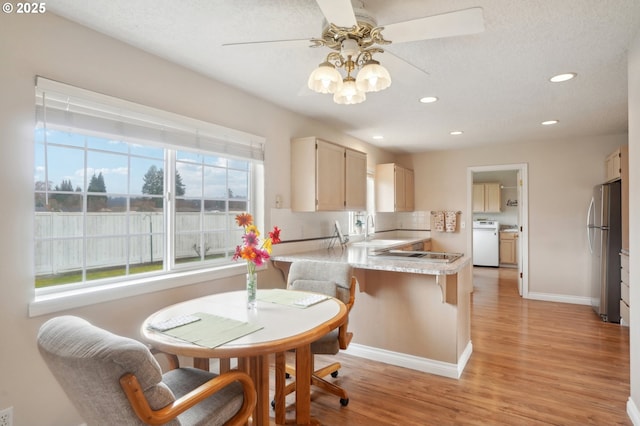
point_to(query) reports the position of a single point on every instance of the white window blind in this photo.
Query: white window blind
(62, 106)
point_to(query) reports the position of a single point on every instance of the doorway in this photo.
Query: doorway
(512, 180)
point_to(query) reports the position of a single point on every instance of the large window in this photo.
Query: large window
(121, 194)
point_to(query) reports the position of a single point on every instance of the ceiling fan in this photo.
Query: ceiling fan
(353, 36)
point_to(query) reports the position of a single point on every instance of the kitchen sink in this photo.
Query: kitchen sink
(427, 256)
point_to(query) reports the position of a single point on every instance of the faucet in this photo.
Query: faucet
(366, 226)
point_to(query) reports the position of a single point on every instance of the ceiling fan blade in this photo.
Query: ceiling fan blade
(462, 22)
(288, 42)
(339, 12)
(397, 65)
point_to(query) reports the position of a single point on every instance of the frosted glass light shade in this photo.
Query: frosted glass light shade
(373, 77)
(325, 79)
(349, 93)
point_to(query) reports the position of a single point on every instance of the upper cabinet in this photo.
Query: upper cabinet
(613, 166)
(617, 167)
(394, 188)
(486, 197)
(356, 180)
(327, 177)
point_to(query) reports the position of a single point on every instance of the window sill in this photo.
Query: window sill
(51, 303)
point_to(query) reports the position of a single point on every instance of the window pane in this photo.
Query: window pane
(192, 157)
(58, 224)
(218, 245)
(191, 176)
(64, 138)
(238, 206)
(39, 168)
(107, 144)
(187, 221)
(106, 257)
(65, 202)
(213, 160)
(238, 184)
(188, 247)
(215, 205)
(215, 221)
(146, 204)
(215, 182)
(146, 253)
(239, 165)
(146, 151)
(147, 176)
(65, 167)
(107, 172)
(58, 262)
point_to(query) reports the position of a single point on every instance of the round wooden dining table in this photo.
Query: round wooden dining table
(284, 327)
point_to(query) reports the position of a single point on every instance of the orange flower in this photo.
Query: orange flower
(244, 219)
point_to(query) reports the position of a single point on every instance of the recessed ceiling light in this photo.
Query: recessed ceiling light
(456, 132)
(549, 122)
(378, 137)
(562, 77)
(428, 99)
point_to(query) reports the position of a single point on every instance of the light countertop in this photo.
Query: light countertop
(357, 256)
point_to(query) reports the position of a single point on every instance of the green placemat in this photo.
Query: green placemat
(212, 330)
(287, 297)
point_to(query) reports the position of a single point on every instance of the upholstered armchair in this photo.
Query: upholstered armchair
(114, 380)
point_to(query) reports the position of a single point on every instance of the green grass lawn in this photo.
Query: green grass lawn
(98, 274)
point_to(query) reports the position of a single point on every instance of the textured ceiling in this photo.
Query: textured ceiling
(492, 85)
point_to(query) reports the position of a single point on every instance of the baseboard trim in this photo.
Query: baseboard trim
(633, 412)
(561, 298)
(426, 365)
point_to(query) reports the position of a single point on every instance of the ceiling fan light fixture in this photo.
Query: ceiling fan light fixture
(325, 79)
(373, 77)
(349, 93)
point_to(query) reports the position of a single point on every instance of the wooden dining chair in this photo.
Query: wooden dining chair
(114, 380)
(335, 280)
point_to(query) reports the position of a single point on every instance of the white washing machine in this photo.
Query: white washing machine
(486, 243)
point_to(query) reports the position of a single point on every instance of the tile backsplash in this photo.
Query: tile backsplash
(309, 225)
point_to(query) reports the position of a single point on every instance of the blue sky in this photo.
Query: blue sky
(66, 161)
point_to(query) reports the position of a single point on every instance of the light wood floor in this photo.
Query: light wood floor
(533, 363)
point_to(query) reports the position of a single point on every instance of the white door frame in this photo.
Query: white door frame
(523, 213)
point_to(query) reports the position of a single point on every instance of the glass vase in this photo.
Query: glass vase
(252, 290)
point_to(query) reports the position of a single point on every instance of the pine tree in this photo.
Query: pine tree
(96, 202)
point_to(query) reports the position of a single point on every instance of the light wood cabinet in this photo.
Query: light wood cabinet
(617, 168)
(509, 248)
(355, 180)
(624, 288)
(612, 166)
(394, 188)
(326, 176)
(486, 197)
(624, 188)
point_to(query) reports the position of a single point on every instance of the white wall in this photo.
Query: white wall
(634, 225)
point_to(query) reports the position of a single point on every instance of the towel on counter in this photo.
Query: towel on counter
(438, 221)
(450, 220)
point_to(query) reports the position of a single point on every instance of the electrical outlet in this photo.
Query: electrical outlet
(6, 417)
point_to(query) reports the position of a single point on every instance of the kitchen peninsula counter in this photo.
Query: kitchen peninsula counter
(358, 257)
(412, 313)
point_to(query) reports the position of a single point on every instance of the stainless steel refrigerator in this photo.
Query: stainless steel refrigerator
(604, 232)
